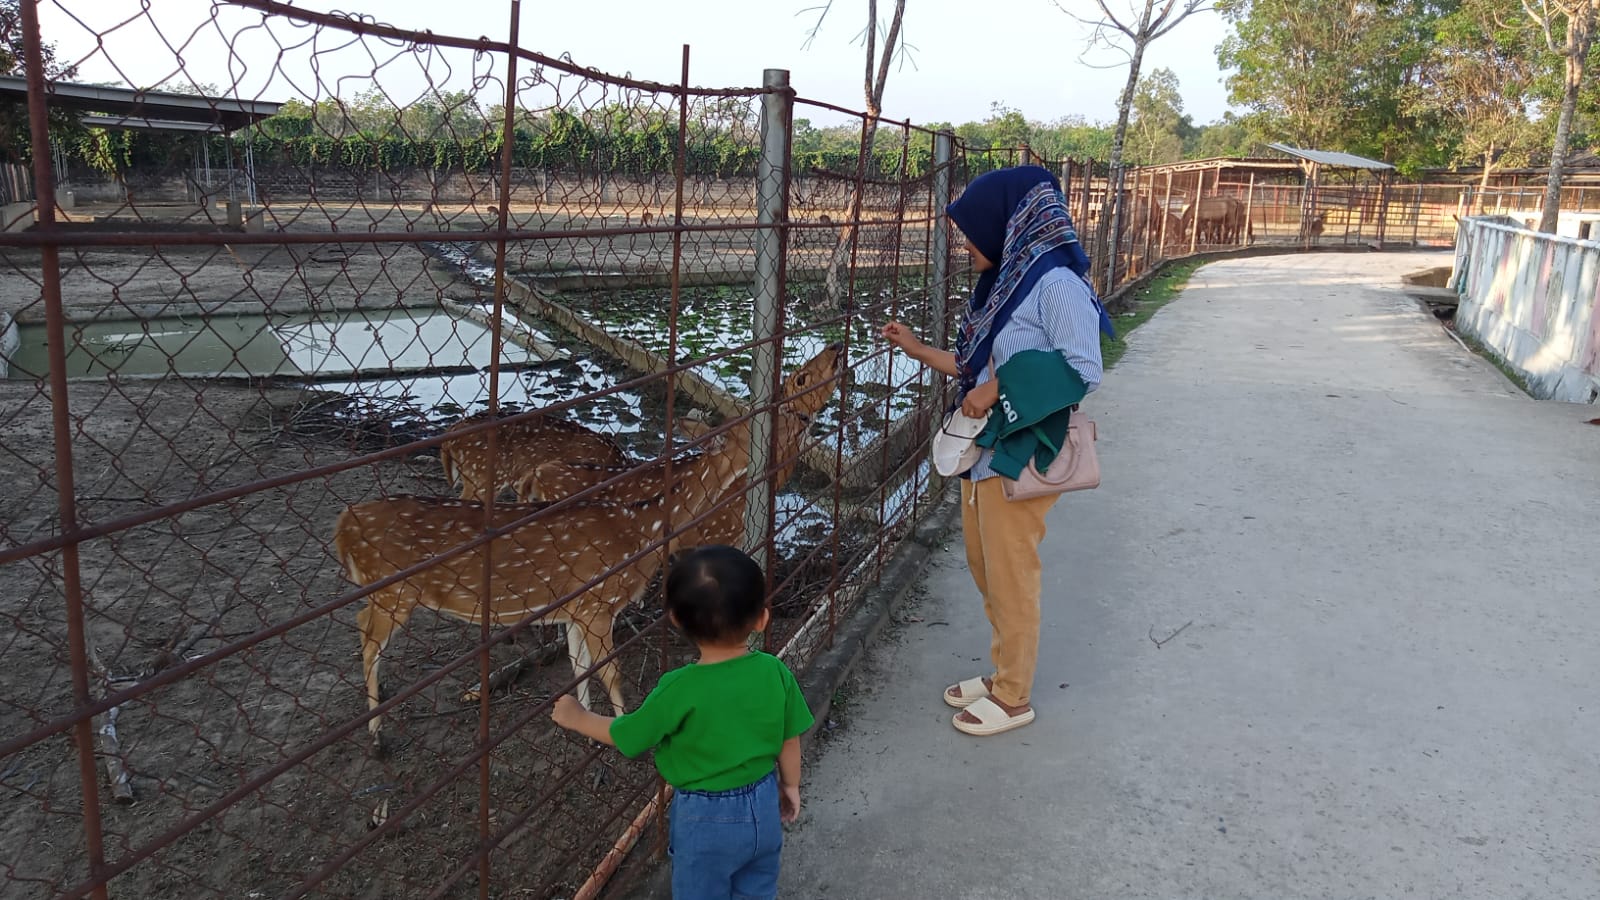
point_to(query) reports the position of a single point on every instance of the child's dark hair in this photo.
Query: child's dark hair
(717, 593)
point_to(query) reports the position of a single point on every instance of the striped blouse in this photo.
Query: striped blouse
(1058, 314)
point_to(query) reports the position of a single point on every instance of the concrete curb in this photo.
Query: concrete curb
(822, 678)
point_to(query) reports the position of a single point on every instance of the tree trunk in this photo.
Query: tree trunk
(833, 279)
(1111, 209)
(1483, 183)
(1580, 37)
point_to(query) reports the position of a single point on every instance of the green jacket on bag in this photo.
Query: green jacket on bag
(1029, 421)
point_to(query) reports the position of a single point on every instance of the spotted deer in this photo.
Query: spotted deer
(805, 392)
(520, 447)
(536, 564)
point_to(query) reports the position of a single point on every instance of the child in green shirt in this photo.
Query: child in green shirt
(717, 727)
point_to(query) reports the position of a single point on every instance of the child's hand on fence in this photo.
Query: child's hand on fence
(567, 712)
(789, 803)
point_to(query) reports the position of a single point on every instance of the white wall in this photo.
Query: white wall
(1532, 300)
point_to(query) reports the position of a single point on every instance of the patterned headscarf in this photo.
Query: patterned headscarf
(1018, 218)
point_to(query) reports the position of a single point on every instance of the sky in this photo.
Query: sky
(963, 56)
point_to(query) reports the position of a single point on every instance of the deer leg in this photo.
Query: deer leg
(578, 653)
(376, 622)
(601, 642)
(594, 632)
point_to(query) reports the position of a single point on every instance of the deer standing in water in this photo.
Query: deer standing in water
(520, 447)
(583, 547)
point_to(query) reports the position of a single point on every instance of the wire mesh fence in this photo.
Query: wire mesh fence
(328, 421)
(317, 424)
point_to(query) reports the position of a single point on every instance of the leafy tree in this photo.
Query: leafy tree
(1073, 136)
(1333, 74)
(1228, 137)
(1156, 133)
(1479, 80)
(1005, 127)
(1568, 28)
(14, 114)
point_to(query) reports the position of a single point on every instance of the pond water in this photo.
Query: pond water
(318, 343)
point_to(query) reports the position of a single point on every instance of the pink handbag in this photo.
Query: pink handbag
(1075, 468)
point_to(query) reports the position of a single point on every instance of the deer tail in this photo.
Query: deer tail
(345, 535)
(449, 465)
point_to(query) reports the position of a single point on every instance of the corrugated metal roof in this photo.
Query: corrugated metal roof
(1331, 158)
(232, 113)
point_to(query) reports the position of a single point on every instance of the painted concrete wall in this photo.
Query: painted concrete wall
(1534, 301)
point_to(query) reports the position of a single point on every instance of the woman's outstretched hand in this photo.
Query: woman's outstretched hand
(901, 336)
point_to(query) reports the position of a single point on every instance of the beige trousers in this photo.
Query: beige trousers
(1003, 553)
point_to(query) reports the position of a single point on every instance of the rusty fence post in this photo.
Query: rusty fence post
(1249, 236)
(1416, 217)
(772, 212)
(74, 609)
(943, 154)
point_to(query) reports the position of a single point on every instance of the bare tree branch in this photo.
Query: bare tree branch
(1542, 20)
(1114, 22)
(811, 35)
(888, 47)
(1142, 23)
(872, 46)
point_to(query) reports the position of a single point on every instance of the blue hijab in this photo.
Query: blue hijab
(1018, 219)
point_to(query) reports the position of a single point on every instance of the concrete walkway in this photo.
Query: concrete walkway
(1391, 686)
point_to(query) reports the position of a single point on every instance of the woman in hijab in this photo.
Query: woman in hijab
(1031, 295)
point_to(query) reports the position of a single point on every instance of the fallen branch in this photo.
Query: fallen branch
(110, 750)
(175, 649)
(1169, 637)
(542, 655)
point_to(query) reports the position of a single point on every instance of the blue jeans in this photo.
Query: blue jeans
(725, 844)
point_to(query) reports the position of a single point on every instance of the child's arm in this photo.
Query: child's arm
(789, 779)
(570, 714)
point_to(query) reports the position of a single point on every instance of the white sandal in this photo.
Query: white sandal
(991, 719)
(966, 693)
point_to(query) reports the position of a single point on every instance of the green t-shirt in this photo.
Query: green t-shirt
(716, 727)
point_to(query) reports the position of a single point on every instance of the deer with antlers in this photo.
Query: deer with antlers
(519, 447)
(579, 566)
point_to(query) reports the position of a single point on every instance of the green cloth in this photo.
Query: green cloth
(1029, 420)
(716, 727)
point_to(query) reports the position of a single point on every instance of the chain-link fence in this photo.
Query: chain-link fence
(1177, 210)
(342, 437)
(355, 384)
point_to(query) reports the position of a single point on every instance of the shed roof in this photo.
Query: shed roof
(145, 108)
(1331, 158)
